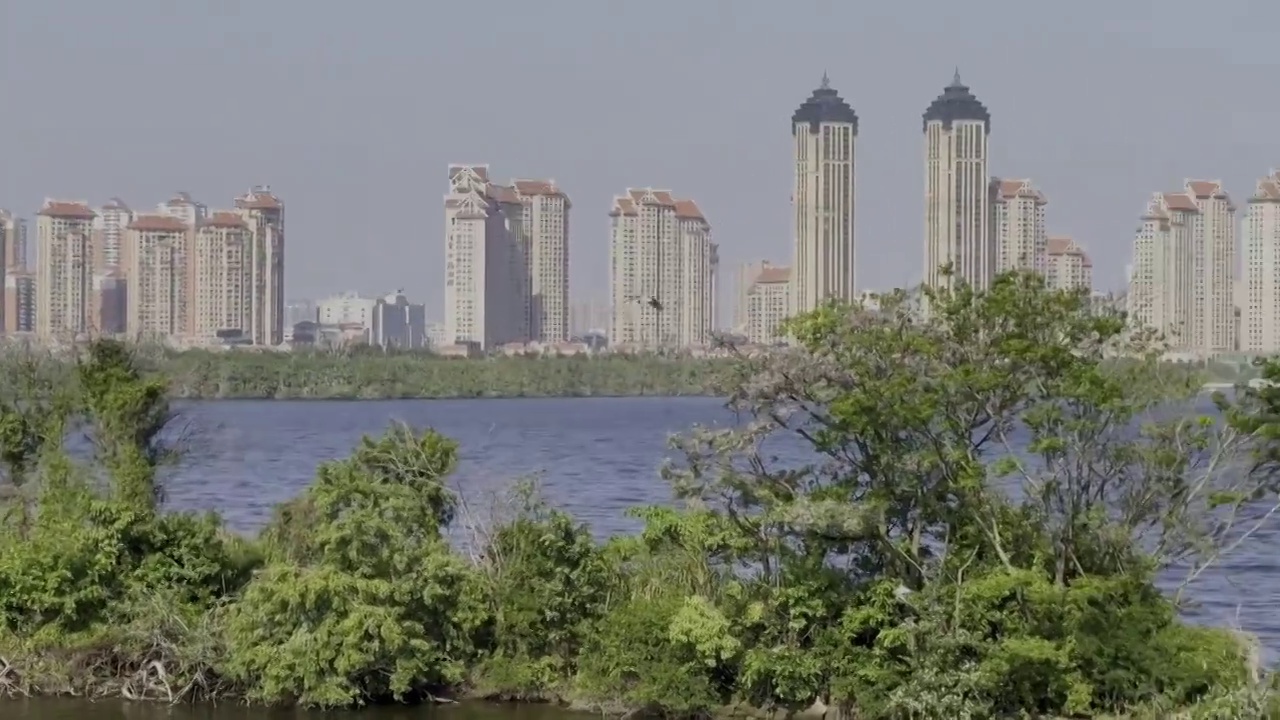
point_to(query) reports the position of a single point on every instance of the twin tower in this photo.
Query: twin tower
(957, 199)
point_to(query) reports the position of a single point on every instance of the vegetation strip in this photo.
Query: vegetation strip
(894, 578)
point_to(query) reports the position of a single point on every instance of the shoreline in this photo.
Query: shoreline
(347, 398)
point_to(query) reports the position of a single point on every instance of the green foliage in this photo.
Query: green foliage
(127, 412)
(642, 656)
(368, 603)
(992, 492)
(995, 484)
(301, 374)
(82, 571)
(548, 582)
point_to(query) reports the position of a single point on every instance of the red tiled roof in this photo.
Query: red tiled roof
(1180, 201)
(67, 210)
(259, 200)
(537, 187)
(1010, 189)
(774, 275)
(157, 223)
(623, 206)
(1268, 191)
(688, 210)
(227, 220)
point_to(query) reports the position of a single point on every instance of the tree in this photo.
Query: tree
(1017, 451)
(128, 414)
(36, 405)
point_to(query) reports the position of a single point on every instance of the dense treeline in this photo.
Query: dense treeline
(894, 577)
(371, 375)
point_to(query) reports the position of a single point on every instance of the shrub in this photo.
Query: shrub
(367, 603)
(548, 581)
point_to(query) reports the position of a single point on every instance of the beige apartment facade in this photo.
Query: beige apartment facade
(699, 272)
(1018, 221)
(263, 213)
(663, 267)
(824, 131)
(221, 301)
(1161, 285)
(64, 271)
(957, 127)
(1184, 259)
(1067, 266)
(506, 259)
(768, 305)
(185, 208)
(485, 280)
(13, 265)
(111, 226)
(13, 241)
(1214, 261)
(544, 210)
(1260, 291)
(157, 250)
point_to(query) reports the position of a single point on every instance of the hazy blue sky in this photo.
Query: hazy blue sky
(352, 110)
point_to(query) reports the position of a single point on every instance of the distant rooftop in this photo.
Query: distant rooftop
(824, 106)
(955, 104)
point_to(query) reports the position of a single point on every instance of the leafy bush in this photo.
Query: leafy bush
(548, 581)
(99, 592)
(369, 603)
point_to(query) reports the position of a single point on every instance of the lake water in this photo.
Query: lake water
(595, 457)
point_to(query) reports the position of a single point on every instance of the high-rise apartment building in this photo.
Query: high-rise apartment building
(111, 225)
(221, 300)
(744, 279)
(19, 301)
(13, 274)
(957, 193)
(506, 259)
(1067, 265)
(13, 241)
(662, 271)
(485, 293)
(182, 207)
(64, 271)
(1161, 286)
(1214, 268)
(1261, 283)
(824, 131)
(263, 212)
(1184, 269)
(160, 289)
(398, 323)
(544, 237)
(768, 304)
(1018, 222)
(513, 261)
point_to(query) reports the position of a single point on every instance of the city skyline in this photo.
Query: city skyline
(180, 273)
(1092, 117)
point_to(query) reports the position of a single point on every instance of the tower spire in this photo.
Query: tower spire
(955, 79)
(826, 82)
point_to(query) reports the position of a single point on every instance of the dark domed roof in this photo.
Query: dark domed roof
(956, 103)
(824, 105)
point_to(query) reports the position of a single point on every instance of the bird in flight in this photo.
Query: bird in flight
(651, 301)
